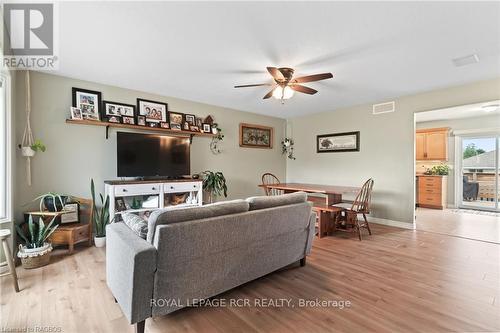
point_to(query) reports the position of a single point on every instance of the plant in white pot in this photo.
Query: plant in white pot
(29, 151)
(100, 217)
(36, 250)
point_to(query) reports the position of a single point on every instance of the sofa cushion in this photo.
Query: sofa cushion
(276, 200)
(167, 216)
(136, 223)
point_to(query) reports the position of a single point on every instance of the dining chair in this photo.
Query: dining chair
(268, 179)
(361, 205)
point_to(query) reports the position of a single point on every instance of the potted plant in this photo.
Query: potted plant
(214, 183)
(287, 148)
(29, 151)
(36, 251)
(100, 217)
(52, 201)
(214, 145)
(441, 170)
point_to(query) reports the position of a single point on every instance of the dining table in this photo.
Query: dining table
(323, 199)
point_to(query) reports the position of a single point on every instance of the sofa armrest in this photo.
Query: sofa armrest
(130, 271)
(311, 232)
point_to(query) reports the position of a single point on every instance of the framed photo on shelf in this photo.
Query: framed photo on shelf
(114, 119)
(128, 120)
(141, 120)
(165, 125)
(76, 113)
(118, 109)
(186, 126)
(153, 111)
(175, 118)
(256, 136)
(207, 128)
(175, 127)
(199, 122)
(337, 142)
(190, 119)
(194, 128)
(88, 101)
(120, 204)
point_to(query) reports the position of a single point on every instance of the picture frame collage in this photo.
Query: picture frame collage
(88, 105)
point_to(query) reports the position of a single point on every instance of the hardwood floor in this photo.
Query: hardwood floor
(479, 227)
(396, 280)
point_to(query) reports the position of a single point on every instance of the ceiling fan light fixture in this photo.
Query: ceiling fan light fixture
(283, 92)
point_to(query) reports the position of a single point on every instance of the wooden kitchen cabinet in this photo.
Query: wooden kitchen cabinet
(432, 144)
(432, 191)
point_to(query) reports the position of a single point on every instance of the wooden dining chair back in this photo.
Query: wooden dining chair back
(269, 179)
(362, 202)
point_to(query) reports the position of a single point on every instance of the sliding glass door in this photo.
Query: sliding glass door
(479, 172)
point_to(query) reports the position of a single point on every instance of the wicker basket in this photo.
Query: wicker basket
(34, 259)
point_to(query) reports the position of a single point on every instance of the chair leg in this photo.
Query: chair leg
(367, 224)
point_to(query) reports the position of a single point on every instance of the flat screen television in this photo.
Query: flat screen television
(151, 155)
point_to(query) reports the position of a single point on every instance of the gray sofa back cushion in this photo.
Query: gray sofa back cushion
(168, 216)
(277, 200)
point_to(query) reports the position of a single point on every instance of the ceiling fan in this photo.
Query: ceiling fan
(285, 84)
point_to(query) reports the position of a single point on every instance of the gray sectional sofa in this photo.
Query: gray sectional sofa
(196, 253)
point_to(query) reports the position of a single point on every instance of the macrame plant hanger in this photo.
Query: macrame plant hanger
(28, 134)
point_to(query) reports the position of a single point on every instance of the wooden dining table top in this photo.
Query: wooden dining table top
(313, 188)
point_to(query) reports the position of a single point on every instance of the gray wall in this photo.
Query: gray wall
(77, 153)
(387, 146)
(455, 124)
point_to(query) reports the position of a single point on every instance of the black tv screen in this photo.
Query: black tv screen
(151, 155)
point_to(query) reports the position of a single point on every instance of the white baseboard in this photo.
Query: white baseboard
(392, 223)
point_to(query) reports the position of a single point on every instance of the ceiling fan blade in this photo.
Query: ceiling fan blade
(276, 74)
(269, 94)
(253, 85)
(303, 89)
(311, 78)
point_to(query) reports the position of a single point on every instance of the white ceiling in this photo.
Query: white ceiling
(199, 51)
(460, 112)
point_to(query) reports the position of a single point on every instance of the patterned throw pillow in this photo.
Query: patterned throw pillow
(136, 223)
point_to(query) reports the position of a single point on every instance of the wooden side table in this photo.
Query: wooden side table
(71, 233)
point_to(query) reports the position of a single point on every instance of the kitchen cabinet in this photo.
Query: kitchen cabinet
(431, 144)
(432, 191)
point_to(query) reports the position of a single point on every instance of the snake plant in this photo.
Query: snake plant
(37, 234)
(54, 196)
(101, 214)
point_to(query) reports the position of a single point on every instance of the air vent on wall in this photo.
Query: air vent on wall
(384, 107)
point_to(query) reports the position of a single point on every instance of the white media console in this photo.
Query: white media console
(143, 197)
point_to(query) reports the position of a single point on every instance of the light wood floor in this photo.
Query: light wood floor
(397, 281)
(479, 227)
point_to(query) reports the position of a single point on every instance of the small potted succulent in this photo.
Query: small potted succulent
(30, 151)
(100, 217)
(35, 252)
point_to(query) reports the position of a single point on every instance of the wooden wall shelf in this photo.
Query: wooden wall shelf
(137, 127)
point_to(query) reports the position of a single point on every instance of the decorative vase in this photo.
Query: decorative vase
(27, 151)
(214, 130)
(36, 257)
(100, 241)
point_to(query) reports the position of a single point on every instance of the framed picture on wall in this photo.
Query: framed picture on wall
(256, 136)
(337, 142)
(153, 111)
(88, 101)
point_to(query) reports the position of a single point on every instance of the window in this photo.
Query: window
(5, 151)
